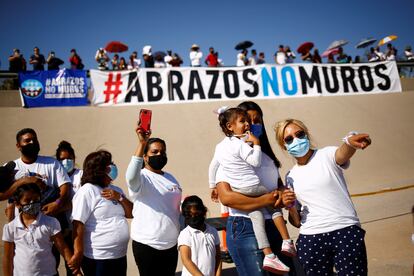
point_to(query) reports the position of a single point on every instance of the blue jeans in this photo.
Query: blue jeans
(243, 248)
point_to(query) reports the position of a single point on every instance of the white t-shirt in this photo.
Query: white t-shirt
(49, 168)
(280, 58)
(195, 57)
(238, 160)
(240, 60)
(33, 245)
(322, 192)
(167, 60)
(75, 179)
(156, 212)
(106, 232)
(268, 174)
(203, 248)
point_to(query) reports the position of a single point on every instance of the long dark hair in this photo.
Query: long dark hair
(94, 168)
(264, 141)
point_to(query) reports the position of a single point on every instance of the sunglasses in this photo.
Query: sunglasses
(299, 134)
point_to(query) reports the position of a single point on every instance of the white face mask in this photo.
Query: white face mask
(68, 165)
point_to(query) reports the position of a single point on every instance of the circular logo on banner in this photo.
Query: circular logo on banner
(31, 88)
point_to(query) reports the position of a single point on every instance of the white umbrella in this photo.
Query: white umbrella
(337, 44)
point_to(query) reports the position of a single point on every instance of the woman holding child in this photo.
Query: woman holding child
(241, 238)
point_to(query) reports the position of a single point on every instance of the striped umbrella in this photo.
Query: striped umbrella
(387, 39)
(365, 43)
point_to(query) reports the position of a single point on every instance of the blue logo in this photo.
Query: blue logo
(32, 88)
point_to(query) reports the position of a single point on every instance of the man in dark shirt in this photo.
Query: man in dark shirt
(37, 60)
(17, 62)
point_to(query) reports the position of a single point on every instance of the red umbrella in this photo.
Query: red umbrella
(305, 47)
(333, 52)
(116, 47)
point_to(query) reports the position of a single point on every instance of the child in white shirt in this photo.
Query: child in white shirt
(198, 243)
(237, 159)
(28, 239)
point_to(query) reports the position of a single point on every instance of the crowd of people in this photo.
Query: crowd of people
(160, 59)
(57, 209)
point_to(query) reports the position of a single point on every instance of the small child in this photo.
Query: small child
(237, 159)
(198, 243)
(28, 239)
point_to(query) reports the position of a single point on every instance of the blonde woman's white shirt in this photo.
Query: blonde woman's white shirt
(106, 233)
(322, 192)
(157, 199)
(33, 245)
(203, 248)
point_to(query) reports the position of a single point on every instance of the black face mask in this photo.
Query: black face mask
(31, 150)
(157, 162)
(196, 222)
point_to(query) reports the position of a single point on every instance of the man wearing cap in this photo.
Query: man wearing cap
(195, 55)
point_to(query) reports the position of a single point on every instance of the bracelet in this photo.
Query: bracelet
(58, 201)
(346, 141)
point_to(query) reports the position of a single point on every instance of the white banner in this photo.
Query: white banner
(189, 84)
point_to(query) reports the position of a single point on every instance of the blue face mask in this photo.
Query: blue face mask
(113, 173)
(256, 129)
(68, 165)
(298, 147)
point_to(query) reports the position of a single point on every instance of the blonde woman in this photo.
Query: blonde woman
(330, 231)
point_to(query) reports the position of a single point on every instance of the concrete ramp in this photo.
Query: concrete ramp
(191, 132)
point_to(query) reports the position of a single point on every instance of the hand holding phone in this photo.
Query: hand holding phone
(145, 120)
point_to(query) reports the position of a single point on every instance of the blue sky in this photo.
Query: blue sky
(176, 25)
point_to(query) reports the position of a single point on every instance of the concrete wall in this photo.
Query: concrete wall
(191, 132)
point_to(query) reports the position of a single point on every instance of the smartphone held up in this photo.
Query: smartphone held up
(145, 120)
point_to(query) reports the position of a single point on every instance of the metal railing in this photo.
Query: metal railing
(405, 68)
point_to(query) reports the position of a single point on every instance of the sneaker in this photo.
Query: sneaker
(288, 248)
(275, 265)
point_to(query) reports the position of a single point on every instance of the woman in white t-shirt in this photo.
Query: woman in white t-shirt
(330, 232)
(100, 227)
(156, 195)
(241, 239)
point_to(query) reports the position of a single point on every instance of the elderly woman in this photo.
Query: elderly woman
(99, 215)
(241, 239)
(157, 196)
(330, 231)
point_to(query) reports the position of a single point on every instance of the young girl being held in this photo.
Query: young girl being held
(28, 239)
(237, 160)
(198, 243)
